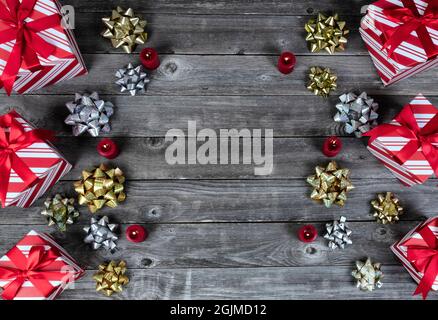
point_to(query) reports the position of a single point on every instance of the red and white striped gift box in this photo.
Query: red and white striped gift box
(413, 238)
(44, 161)
(65, 62)
(71, 271)
(417, 169)
(410, 57)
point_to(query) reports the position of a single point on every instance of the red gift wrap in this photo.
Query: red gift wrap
(418, 251)
(36, 50)
(407, 145)
(37, 268)
(29, 164)
(401, 37)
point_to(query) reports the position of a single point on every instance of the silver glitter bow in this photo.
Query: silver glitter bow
(100, 234)
(358, 113)
(338, 234)
(368, 275)
(89, 113)
(132, 79)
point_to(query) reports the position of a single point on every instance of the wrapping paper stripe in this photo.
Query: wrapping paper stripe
(45, 161)
(27, 198)
(410, 53)
(417, 169)
(73, 270)
(65, 63)
(401, 252)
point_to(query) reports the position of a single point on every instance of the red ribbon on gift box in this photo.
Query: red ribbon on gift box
(409, 19)
(36, 268)
(28, 44)
(424, 257)
(13, 138)
(418, 137)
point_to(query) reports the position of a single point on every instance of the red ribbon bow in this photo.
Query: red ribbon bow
(11, 141)
(27, 41)
(409, 19)
(35, 268)
(425, 260)
(424, 137)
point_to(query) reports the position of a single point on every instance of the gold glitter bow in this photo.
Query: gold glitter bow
(60, 211)
(326, 33)
(368, 275)
(101, 186)
(111, 277)
(125, 29)
(322, 81)
(330, 184)
(387, 208)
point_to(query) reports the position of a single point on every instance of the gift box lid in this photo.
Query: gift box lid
(382, 19)
(55, 35)
(69, 269)
(414, 238)
(40, 157)
(387, 146)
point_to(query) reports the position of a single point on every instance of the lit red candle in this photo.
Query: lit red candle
(286, 62)
(332, 146)
(149, 58)
(136, 233)
(108, 148)
(307, 233)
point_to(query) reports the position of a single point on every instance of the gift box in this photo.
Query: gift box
(401, 37)
(418, 251)
(37, 268)
(407, 145)
(37, 48)
(29, 164)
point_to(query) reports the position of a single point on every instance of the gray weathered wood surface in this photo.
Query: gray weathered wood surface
(219, 231)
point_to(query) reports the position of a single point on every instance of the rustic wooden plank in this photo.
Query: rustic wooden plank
(188, 201)
(252, 283)
(218, 68)
(213, 34)
(153, 116)
(144, 158)
(239, 75)
(226, 245)
(229, 7)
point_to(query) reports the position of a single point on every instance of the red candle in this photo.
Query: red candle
(149, 58)
(307, 233)
(332, 146)
(107, 148)
(136, 233)
(286, 62)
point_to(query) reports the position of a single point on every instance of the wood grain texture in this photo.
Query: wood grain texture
(219, 231)
(252, 283)
(209, 201)
(239, 75)
(227, 245)
(144, 158)
(229, 7)
(153, 116)
(215, 34)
